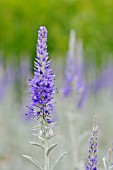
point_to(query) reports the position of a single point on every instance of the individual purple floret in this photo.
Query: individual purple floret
(42, 86)
(93, 144)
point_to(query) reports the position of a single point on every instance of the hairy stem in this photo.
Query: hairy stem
(72, 136)
(46, 166)
(45, 142)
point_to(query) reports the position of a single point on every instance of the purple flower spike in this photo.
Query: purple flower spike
(92, 157)
(71, 69)
(42, 86)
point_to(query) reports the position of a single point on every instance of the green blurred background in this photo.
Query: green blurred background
(92, 20)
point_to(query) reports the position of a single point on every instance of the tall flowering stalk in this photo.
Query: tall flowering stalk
(70, 66)
(42, 90)
(74, 74)
(81, 85)
(93, 144)
(42, 86)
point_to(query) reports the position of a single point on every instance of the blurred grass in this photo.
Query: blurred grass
(92, 20)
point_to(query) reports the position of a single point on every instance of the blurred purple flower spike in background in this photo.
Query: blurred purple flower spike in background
(25, 69)
(70, 66)
(104, 80)
(81, 85)
(74, 74)
(6, 79)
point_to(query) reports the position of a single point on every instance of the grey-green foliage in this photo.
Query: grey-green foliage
(34, 161)
(108, 160)
(57, 160)
(47, 150)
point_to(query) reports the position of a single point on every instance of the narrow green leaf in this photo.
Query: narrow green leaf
(51, 148)
(58, 159)
(34, 161)
(36, 144)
